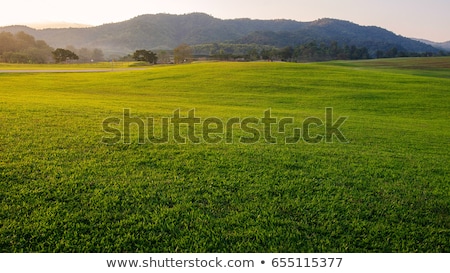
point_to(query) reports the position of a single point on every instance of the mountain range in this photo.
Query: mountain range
(166, 31)
(443, 46)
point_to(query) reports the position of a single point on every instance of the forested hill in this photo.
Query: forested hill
(344, 32)
(165, 31)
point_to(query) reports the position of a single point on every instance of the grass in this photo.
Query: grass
(431, 67)
(387, 190)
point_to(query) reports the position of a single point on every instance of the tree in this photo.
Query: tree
(63, 55)
(97, 55)
(380, 54)
(392, 53)
(252, 54)
(266, 54)
(163, 56)
(333, 50)
(286, 53)
(143, 55)
(182, 53)
(7, 42)
(23, 48)
(24, 41)
(84, 54)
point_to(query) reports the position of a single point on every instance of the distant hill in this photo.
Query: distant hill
(165, 31)
(344, 32)
(443, 46)
(44, 25)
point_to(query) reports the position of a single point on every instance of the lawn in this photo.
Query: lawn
(384, 190)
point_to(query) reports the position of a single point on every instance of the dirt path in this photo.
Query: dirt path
(66, 70)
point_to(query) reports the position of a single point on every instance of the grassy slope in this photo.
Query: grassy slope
(387, 190)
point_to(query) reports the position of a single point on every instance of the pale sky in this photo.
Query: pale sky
(428, 19)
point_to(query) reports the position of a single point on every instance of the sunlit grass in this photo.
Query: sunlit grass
(387, 190)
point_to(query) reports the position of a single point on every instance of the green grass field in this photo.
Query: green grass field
(386, 190)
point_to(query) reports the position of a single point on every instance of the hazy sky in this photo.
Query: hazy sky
(428, 19)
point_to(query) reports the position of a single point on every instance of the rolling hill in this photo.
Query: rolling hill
(165, 31)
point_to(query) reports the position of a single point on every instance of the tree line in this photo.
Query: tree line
(308, 52)
(24, 48)
(181, 54)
